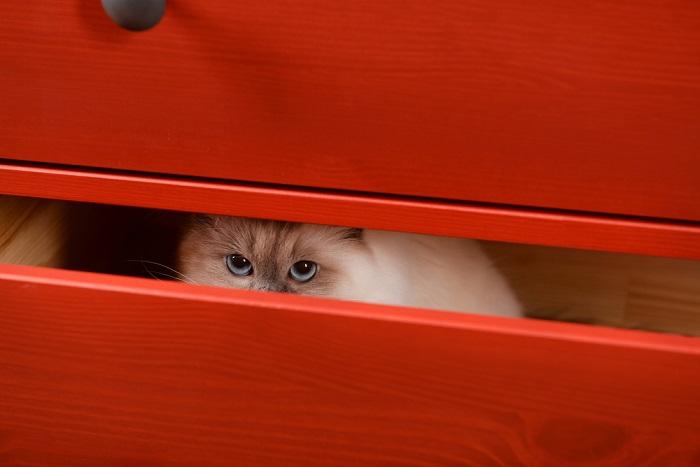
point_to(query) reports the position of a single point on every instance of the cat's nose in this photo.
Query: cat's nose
(272, 287)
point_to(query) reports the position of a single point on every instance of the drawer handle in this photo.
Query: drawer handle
(135, 15)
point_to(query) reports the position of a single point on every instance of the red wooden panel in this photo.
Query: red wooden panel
(377, 212)
(100, 370)
(567, 104)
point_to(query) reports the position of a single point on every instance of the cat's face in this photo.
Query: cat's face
(268, 255)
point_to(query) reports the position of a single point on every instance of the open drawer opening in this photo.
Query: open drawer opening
(611, 289)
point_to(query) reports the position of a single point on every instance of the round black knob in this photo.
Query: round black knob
(135, 15)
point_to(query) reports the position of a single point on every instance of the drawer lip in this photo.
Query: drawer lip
(508, 224)
(524, 327)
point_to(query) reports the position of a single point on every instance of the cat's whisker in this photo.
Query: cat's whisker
(159, 275)
(180, 276)
(148, 271)
(162, 274)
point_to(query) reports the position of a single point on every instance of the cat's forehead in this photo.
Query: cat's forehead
(282, 237)
(253, 232)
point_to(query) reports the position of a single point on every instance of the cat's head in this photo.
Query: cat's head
(267, 255)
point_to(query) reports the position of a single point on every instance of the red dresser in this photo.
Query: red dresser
(560, 123)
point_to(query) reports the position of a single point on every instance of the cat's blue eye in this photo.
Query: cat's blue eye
(239, 265)
(303, 271)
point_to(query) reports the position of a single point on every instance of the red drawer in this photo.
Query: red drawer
(571, 105)
(98, 370)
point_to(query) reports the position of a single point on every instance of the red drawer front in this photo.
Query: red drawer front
(98, 370)
(576, 105)
(597, 232)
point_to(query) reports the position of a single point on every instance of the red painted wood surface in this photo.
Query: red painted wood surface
(566, 104)
(377, 212)
(99, 370)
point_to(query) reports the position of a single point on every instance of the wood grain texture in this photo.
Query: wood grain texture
(99, 370)
(377, 212)
(577, 105)
(629, 291)
(33, 232)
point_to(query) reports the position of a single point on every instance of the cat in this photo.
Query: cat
(345, 263)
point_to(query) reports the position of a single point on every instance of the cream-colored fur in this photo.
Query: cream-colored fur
(374, 266)
(429, 272)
